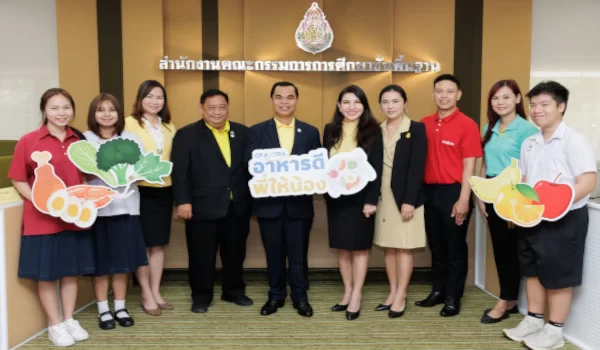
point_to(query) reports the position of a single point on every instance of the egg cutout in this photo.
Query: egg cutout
(57, 203)
(88, 215)
(73, 210)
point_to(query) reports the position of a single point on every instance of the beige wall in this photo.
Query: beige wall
(420, 30)
(385, 28)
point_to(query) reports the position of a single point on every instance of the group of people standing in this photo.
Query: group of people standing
(129, 234)
(421, 195)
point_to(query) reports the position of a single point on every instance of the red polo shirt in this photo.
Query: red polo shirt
(449, 141)
(21, 169)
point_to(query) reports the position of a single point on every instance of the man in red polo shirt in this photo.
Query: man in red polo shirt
(453, 143)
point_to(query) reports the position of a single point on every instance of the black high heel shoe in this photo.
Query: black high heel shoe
(383, 307)
(350, 316)
(339, 307)
(396, 314)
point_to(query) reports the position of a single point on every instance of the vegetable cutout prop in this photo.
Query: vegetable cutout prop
(119, 162)
(77, 204)
(520, 203)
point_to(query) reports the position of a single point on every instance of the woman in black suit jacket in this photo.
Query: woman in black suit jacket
(400, 225)
(351, 218)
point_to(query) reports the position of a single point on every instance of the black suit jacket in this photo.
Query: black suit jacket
(201, 176)
(370, 194)
(306, 139)
(408, 169)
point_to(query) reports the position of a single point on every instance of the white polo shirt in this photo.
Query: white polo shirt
(129, 205)
(567, 152)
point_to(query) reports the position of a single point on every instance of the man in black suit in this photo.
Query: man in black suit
(285, 222)
(210, 185)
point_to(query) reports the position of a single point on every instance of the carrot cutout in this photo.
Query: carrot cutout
(77, 204)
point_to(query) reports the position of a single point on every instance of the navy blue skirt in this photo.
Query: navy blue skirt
(119, 244)
(51, 257)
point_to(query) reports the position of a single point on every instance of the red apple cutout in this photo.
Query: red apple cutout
(556, 198)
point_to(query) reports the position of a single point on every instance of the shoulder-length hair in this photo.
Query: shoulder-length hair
(492, 116)
(48, 94)
(143, 91)
(367, 125)
(92, 123)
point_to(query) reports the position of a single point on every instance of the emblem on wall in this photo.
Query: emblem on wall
(314, 34)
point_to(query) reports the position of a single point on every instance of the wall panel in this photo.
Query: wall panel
(357, 40)
(231, 47)
(142, 23)
(183, 37)
(77, 34)
(501, 44)
(432, 41)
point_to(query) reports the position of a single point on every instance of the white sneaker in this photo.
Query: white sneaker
(59, 336)
(546, 339)
(528, 326)
(75, 330)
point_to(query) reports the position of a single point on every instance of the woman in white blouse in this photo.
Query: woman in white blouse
(150, 121)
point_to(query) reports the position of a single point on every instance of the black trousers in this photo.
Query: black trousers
(286, 237)
(505, 244)
(204, 237)
(447, 240)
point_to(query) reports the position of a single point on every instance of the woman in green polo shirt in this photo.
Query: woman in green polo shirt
(506, 130)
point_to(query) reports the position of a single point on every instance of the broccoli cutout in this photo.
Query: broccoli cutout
(116, 156)
(119, 162)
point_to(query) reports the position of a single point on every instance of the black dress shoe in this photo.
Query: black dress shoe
(108, 324)
(339, 307)
(126, 321)
(433, 299)
(383, 307)
(451, 307)
(240, 300)
(304, 309)
(199, 307)
(351, 316)
(271, 307)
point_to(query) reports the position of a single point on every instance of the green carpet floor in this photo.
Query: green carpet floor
(227, 326)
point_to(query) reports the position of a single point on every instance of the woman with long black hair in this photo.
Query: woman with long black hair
(351, 218)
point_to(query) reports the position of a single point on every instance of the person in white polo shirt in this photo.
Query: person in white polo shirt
(551, 253)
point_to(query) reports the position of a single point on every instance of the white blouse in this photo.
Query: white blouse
(156, 133)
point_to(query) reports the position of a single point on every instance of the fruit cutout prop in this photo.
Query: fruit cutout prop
(556, 197)
(520, 203)
(487, 189)
(515, 203)
(77, 204)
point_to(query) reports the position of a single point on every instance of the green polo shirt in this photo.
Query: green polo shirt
(505, 145)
